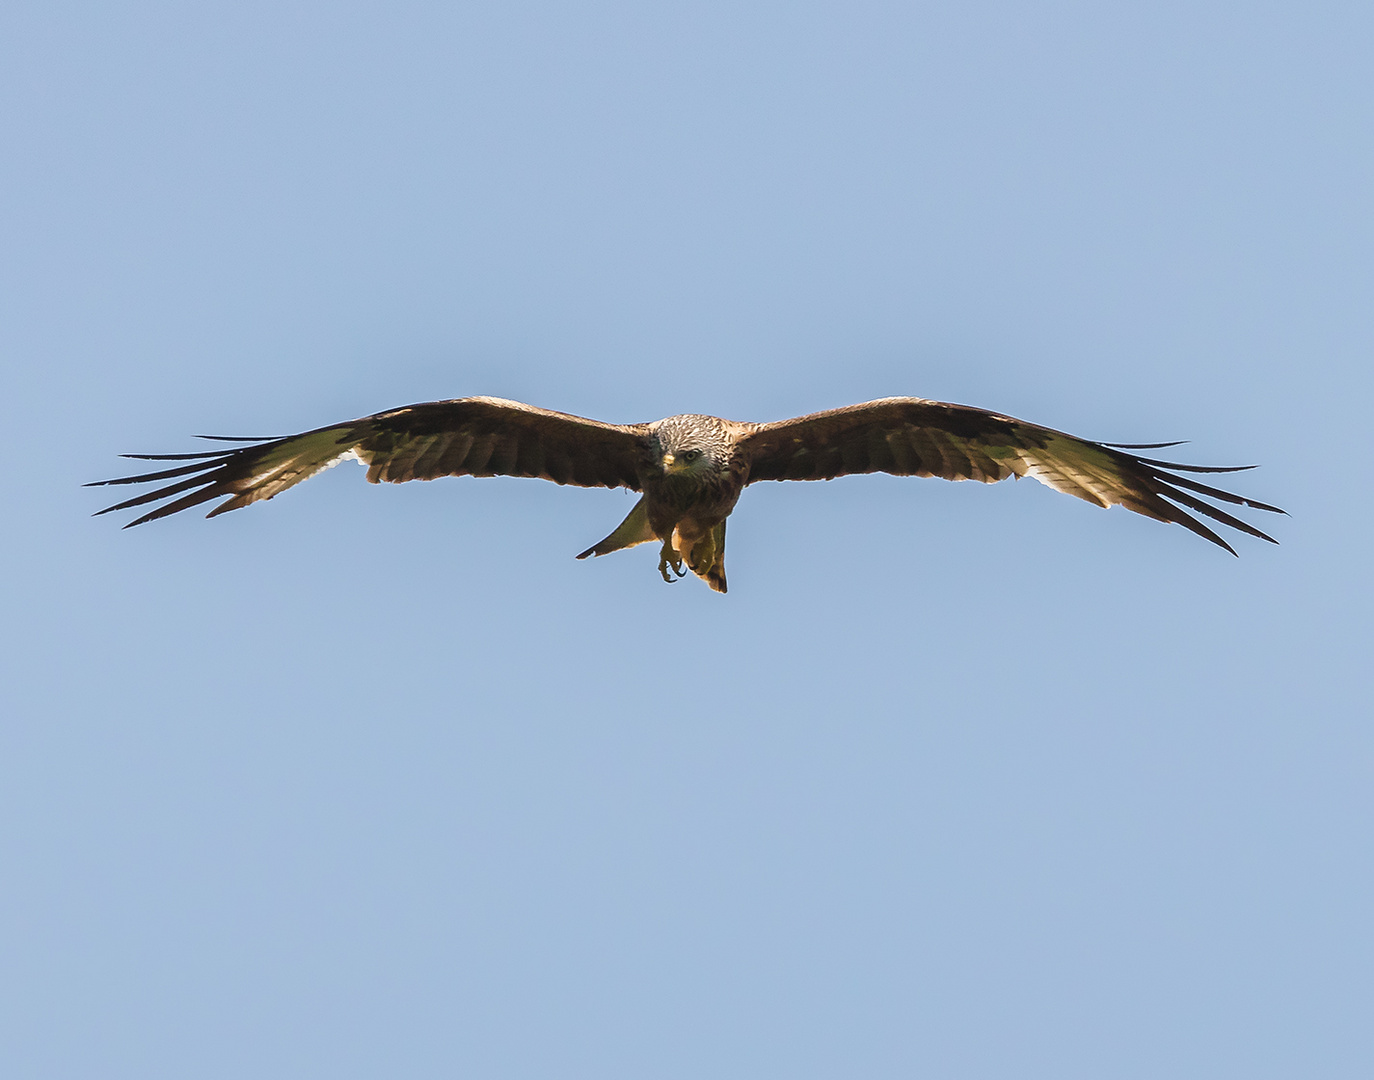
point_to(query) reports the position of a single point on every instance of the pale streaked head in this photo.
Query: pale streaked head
(692, 446)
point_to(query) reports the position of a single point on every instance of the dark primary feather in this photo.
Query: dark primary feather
(914, 437)
(466, 437)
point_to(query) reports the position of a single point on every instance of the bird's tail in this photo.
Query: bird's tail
(707, 558)
(633, 530)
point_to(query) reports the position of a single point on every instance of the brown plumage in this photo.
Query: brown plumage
(691, 469)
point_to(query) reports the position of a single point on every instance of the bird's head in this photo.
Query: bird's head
(692, 447)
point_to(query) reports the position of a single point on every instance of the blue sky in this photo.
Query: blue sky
(956, 781)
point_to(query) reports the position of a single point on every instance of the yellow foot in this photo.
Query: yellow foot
(669, 557)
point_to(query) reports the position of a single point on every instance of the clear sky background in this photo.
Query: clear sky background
(957, 781)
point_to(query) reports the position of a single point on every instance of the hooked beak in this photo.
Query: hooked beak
(668, 462)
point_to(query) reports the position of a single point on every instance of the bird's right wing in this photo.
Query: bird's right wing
(477, 436)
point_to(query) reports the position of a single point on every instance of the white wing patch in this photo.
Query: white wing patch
(287, 465)
(1073, 467)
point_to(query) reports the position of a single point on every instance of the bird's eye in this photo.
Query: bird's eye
(691, 455)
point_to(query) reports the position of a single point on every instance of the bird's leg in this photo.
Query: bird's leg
(669, 557)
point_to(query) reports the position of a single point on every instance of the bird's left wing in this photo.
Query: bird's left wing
(915, 437)
(467, 437)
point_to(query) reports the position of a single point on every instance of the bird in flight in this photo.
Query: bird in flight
(690, 470)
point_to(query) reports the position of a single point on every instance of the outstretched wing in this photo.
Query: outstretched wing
(477, 436)
(914, 437)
